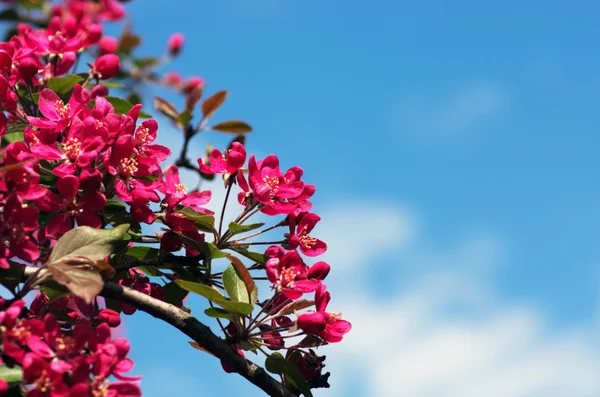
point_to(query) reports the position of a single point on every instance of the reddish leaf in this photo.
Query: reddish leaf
(78, 275)
(233, 127)
(166, 108)
(195, 345)
(193, 98)
(211, 104)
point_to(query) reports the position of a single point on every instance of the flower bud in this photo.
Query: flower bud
(27, 69)
(106, 66)
(192, 83)
(110, 317)
(175, 43)
(108, 45)
(99, 90)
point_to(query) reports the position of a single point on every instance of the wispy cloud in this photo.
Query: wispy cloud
(448, 333)
(444, 116)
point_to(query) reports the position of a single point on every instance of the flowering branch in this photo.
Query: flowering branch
(193, 328)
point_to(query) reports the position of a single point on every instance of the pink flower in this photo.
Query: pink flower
(229, 162)
(175, 43)
(300, 235)
(144, 136)
(72, 208)
(19, 221)
(80, 147)
(106, 66)
(328, 326)
(270, 187)
(289, 275)
(58, 114)
(176, 192)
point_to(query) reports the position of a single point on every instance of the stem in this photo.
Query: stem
(258, 233)
(235, 243)
(229, 185)
(249, 215)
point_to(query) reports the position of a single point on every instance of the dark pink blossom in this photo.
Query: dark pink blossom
(299, 237)
(58, 114)
(288, 275)
(229, 162)
(328, 326)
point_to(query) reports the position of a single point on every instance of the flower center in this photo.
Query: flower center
(72, 148)
(62, 108)
(99, 386)
(306, 240)
(272, 182)
(180, 188)
(333, 317)
(142, 136)
(129, 166)
(287, 277)
(64, 344)
(43, 383)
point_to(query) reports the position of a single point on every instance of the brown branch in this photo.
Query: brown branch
(197, 331)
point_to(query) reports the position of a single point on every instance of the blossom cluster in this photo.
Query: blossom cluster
(65, 359)
(72, 156)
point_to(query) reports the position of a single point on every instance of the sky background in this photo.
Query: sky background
(454, 149)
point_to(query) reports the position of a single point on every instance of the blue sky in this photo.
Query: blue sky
(454, 148)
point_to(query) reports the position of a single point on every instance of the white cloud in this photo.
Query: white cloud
(447, 334)
(441, 117)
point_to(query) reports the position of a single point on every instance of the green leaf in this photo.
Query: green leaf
(88, 242)
(204, 222)
(209, 250)
(11, 375)
(112, 84)
(255, 256)
(145, 62)
(141, 252)
(215, 312)
(150, 271)
(209, 293)
(13, 137)
(215, 296)
(234, 228)
(276, 364)
(62, 85)
(173, 293)
(122, 106)
(232, 127)
(234, 285)
(184, 118)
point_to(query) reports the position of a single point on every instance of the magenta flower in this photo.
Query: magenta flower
(289, 275)
(270, 187)
(229, 162)
(300, 235)
(144, 136)
(58, 114)
(72, 208)
(19, 221)
(176, 192)
(328, 326)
